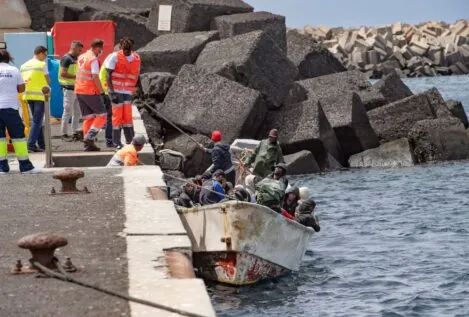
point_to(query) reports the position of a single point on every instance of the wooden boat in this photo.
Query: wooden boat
(241, 243)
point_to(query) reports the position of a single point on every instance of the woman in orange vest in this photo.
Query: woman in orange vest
(89, 90)
(122, 72)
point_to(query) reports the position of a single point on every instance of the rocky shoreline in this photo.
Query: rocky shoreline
(427, 49)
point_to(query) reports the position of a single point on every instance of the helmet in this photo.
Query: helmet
(216, 136)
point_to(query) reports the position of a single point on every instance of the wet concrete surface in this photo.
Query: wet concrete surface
(76, 146)
(91, 223)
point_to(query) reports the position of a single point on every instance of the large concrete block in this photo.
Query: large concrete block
(254, 60)
(437, 103)
(348, 118)
(312, 59)
(236, 24)
(394, 121)
(458, 111)
(168, 52)
(156, 85)
(193, 15)
(301, 163)
(396, 153)
(392, 88)
(202, 103)
(441, 139)
(304, 126)
(196, 161)
(343, 82)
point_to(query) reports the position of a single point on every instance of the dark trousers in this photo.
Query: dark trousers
(107, 103)
(36, 134)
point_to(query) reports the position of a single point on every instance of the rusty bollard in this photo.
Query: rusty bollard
(69, 178)
(42, 247)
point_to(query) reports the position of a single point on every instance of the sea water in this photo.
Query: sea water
(393, 242)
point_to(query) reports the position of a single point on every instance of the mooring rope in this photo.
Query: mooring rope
(63, 276)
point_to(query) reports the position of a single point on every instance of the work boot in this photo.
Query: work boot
(78, 136)
(90, 146)
(129, 134)
(66, 138)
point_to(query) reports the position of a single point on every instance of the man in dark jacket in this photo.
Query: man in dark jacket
(266, 155)
(212, 191)
(305, 214)
(221, 157)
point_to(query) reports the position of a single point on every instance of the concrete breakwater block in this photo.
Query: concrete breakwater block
(458, 111)
(348, 118)
(254, 60)
(312, 59)
(394, 121)
(304, 126)
(301, 163)
(440, 139)
(196, 161)
(437, 103)
(168, 52)
(156, 85)
(193, 15)
(200, 102)
(397, 153)
(392, 88)
(236, 24)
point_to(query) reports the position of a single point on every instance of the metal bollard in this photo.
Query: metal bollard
(47, 131)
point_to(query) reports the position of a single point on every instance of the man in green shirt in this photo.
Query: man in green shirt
(266, 155)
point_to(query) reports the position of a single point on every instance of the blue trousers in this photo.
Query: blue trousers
(108, 105)
(36, 134)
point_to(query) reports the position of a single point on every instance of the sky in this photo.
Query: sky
(349, 13)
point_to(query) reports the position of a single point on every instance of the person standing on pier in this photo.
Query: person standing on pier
(11, 83)
(67, 77)
(36, 76)
(122, 73)
(89, 94)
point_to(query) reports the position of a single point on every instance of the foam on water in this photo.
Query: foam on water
(393, 242)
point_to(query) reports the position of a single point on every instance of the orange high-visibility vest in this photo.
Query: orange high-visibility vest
(127, 156)
(84, 83)
(125, 75)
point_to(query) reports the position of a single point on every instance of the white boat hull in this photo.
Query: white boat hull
(242, 243)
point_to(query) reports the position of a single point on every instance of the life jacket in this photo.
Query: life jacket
(125, 75)
(84, 83)
(33, 75)
(127, 154)
(71, 70)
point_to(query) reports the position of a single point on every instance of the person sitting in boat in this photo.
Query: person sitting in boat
(280, 174)
(221, 157)
(241, 194)
(188, 196)
(305, 214)
(212, 191)
(290, 201)
(269, 193)
(266, 155)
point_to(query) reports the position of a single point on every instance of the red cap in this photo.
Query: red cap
(216, 136)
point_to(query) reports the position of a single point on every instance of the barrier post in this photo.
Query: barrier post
(47, 130)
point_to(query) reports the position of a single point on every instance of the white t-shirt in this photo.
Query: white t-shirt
(110, 63)
(10, 78)
(95, 67)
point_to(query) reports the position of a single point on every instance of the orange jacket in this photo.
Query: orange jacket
(84, 83)
(127, 156)
(125, 75)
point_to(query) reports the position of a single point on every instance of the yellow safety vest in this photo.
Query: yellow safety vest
(102, 78)
(71, 70)
(34, 77)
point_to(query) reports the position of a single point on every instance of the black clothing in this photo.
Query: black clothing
(221, 160)
(305, 215)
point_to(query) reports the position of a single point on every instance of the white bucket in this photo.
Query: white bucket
(14, 14)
